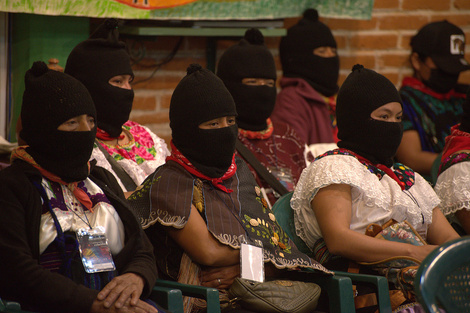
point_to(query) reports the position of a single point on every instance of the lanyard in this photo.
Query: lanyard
(85, 221)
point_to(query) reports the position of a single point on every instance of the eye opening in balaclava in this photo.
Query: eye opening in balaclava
(94, 62)
(200, 97)
(50, 99)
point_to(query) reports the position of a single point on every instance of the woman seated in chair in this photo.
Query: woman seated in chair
(125, 148)
(248, 71)
(51, 193)
(453, 182)
(345, 190)
(203, 203)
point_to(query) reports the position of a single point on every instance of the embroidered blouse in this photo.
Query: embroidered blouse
(73, 216)
(166, 197)
(376, 197)
(453, 184)
(139, 158)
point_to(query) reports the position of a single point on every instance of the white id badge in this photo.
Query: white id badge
(251, 262)
(94, 250)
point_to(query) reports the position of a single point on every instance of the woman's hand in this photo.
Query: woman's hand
(123, 289)
(219, 277)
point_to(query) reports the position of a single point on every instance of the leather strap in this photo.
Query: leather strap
(126, 180)
(260, 168)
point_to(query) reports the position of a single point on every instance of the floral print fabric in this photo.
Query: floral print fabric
(139, 158)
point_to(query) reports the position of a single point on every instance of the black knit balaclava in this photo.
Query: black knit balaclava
(50, 99)
(200, 97)
(249, 59)
(362, 92)
(465, 124)
(93, 62)
(298, 60)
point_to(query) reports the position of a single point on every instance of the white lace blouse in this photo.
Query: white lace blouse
(373, 200)
(453, 187)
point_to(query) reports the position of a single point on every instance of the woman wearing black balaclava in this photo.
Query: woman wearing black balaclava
(310, 66)
(345, 190)
(102, 64)
(203, 202)
(249, 73)
(50, 194)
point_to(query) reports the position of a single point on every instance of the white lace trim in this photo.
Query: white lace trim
(373, 200)
(453, 187)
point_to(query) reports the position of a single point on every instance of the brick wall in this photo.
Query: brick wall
(381, 43)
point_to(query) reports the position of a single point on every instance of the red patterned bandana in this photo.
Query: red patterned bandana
(262, 134)
(20, 153)
(179, 158)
